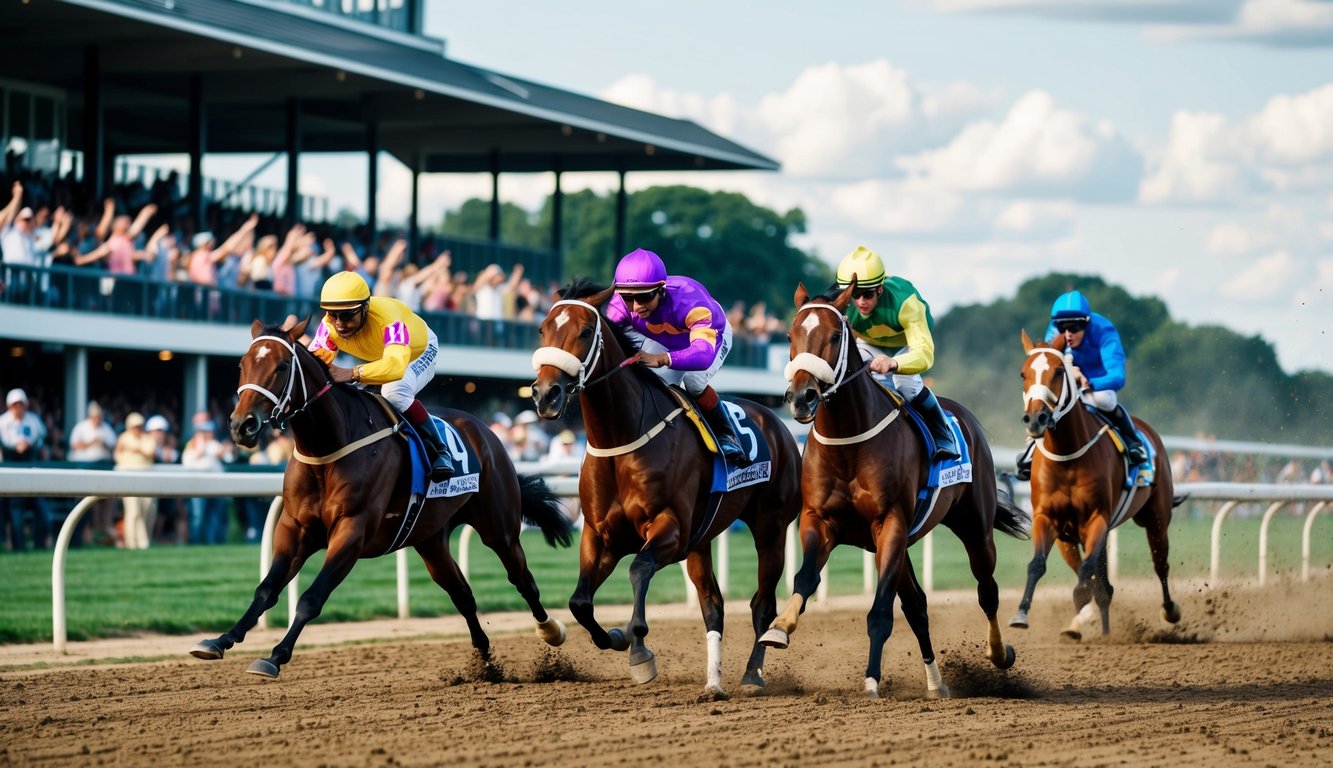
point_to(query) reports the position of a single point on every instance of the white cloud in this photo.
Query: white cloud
(1266, 279)
(1232, 239)
(1035, 220)
(1279, 23)
(1038, 149)
(833, 121)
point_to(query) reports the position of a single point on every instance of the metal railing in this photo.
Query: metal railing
(95, 485)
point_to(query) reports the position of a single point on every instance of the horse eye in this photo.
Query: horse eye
(586, 332)
(282, 366)
(837, 337)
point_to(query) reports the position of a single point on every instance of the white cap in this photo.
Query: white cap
(16, 395)
(526, 417)
(157, 423)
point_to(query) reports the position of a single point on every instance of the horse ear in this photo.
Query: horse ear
(845, 297)
(598, 299)
(298, 329)
(1027, 341)
(1058, 343)
(802, 295)
(256, 328)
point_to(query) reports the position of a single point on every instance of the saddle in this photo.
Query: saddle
(1142, 475)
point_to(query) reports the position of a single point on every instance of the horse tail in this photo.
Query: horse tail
(1178, 500)
(542, 509)
(1013, 519)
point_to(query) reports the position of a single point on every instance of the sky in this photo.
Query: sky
(1178, 148)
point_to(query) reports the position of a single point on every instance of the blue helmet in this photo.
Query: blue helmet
(1071, 306)
(640, 270)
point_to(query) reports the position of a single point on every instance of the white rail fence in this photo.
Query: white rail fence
(94, 485)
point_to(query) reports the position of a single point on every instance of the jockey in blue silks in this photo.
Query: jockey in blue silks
(1099, 368)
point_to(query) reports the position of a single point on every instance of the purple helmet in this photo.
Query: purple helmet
(640, 270)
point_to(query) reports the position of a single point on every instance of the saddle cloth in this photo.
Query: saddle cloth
(1144, 474)
(942, 473)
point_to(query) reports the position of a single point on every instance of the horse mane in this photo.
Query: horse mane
(580, 288)
(281, 332)
(831, 293)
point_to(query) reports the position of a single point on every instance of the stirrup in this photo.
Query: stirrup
(440, 473)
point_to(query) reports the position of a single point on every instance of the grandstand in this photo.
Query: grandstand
(86, 85)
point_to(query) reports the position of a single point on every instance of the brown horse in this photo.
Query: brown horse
(347, 490)
(861, 476)
(645, 482)
(1078, 489)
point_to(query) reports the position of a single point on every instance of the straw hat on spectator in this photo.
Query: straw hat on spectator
(135, 419)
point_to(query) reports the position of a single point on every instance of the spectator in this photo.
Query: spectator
(527, 440)
(208, 515)
(565, 447)
(22, 438)
(92, 441)
(169, 515)
(135, 451)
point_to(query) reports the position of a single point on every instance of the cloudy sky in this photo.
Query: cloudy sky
(1179, 148)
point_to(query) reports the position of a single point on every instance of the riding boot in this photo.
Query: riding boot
(1125, 426)
(1024, 461)
(441, 468)
(929, 407)
(725, 432)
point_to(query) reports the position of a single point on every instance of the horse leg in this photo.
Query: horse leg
(1102, 591)
(344, 550)
(764, 604)
(595, 565)
(913, 599)
(1094, 547)
(444, 571)
(289, 554)
(1159, 546)
(1043, 538)
(699, 566)
(891, 552)
(642, 663)
(510, 550)
(980, 546)
(816, 544)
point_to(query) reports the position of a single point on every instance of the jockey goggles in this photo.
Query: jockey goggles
(642, 297)
(1071, 326)
(345, 316)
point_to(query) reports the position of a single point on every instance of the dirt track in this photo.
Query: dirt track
(1247, 679)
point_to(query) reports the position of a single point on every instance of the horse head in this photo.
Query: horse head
(820, 349)
(1048, 385)
(270, 371)
(572, 342)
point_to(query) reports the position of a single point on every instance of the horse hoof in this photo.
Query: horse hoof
(209, 650)
(552, 632)
(715, 693)
(1020, 620)
(1072, 635)
(939, 693)
(1008, 660)
(753, 678)
(872, 687)
(644, 671)
(618, 640)
(775, 638)
(1171, 612)
(263, 667)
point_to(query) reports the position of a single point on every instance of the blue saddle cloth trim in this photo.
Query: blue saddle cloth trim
(1143, 474)
(924, 496)
(751, 438)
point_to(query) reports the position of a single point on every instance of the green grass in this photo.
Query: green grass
(191, 590)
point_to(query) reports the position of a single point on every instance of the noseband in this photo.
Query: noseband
(1059, 404)
(565, 361)
(280, 404)
(817, 366)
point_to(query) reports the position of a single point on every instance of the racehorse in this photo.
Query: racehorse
(1080, 491)
(347, 489)
(645, 482)
(863, 471)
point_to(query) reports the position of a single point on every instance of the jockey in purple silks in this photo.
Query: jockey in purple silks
(685, 335)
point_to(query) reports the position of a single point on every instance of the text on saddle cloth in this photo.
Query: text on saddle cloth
(467, 467)
(748, 434)
(943, 473)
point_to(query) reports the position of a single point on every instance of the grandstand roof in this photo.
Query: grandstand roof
(433, 113)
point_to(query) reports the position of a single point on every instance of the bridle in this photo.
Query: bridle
(834, 377)
(1059, 404)
(276, 418)
(571, 365)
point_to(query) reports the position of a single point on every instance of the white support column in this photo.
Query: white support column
(195, 397)
(1305, 539)
(76, 386)
(401, 557)
(1263, 539)
(723, 562)
(1215, 545)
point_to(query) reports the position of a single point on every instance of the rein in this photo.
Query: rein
(837, 377)
(1060, 405)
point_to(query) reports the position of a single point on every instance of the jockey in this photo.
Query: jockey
(1099, 369)
(685, 334)
(894, 328)
(398, 346)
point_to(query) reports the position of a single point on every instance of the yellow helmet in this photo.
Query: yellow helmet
(865, 264)
(343, 291)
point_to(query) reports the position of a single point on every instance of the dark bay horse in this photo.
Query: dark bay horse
(1078, 489)
(645, 481)
(860, 478)
(347, 490)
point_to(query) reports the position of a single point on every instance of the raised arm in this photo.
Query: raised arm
(391, 260)
(11, 210)
(108, 213)
(149, 252)
(141, 221)
(232, 242)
